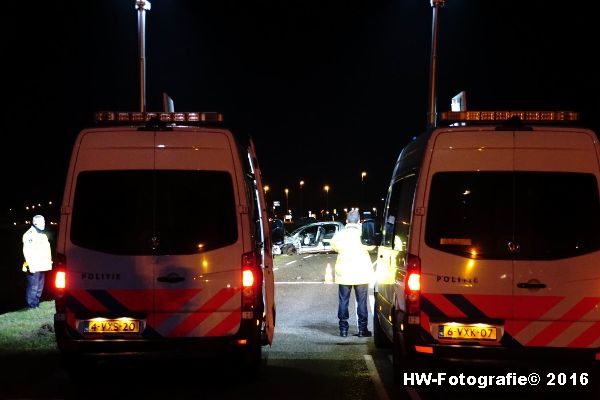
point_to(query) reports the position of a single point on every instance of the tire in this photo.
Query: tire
(380, 340)
(251, 362)
(401, 359)
(290, 250)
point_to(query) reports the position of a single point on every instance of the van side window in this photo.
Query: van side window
(399, 213)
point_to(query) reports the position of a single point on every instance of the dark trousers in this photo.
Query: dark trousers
(35, 287)
(361, 292)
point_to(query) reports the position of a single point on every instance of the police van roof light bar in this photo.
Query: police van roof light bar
(501, 116)
(125, 117)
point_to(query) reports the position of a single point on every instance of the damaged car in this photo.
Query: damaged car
(311, 238)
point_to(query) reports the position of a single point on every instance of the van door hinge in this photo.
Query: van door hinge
(243, 209)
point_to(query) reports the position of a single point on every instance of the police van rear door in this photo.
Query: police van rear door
(199, 234)
(466, 272)
(110, 265)
(557, 240)
(267, 255)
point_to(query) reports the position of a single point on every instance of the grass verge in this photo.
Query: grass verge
(28, 330)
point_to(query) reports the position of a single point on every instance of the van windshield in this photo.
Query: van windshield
(550, 215)
(149, 212)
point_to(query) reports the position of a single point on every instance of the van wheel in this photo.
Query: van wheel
(291, 250)
(402, 361)
(380, 340)
(251, 362)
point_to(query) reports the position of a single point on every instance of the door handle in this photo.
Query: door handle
(527, 285)
(171, 278)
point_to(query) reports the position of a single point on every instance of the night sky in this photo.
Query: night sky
(327, 89)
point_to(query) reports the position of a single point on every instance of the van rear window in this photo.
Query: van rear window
(149, 212)
(548, 215)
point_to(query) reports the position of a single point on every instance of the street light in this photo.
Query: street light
(287, 204)
(326, 188)
(362, 189)
(266, 189)
(301, 199)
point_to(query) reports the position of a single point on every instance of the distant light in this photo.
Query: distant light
(50, 202)
(162, 146)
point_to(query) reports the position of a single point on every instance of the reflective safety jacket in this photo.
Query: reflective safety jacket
(36, 249)
(353, 265)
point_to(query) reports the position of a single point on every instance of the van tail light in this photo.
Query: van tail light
(59, 275)
(60, 281)
(59, 269)
(413, 287)
(247, 278)
(251, 284)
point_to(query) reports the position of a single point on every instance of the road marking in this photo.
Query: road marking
(309, 256)
(328, 274)
(291, 262)
(275, 269)
(298, 283)
(381, 393)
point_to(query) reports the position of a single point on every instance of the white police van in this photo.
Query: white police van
(163, 242)
(491, 242)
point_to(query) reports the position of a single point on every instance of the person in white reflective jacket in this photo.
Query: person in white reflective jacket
(353, 269)
(38, 259)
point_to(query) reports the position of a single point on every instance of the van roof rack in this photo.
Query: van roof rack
(490, 117)
(158, 118)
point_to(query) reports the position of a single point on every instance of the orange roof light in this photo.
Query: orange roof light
(175, 117)
(532, 116)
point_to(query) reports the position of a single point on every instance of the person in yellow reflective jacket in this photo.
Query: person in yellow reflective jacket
(38, 260)
(353, 269)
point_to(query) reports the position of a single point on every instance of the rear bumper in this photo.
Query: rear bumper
(497, 354)
(137, 346)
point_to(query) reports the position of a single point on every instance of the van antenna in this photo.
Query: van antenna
(142, 6)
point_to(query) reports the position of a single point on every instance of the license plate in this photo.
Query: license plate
(466, 332)
(111, 326)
